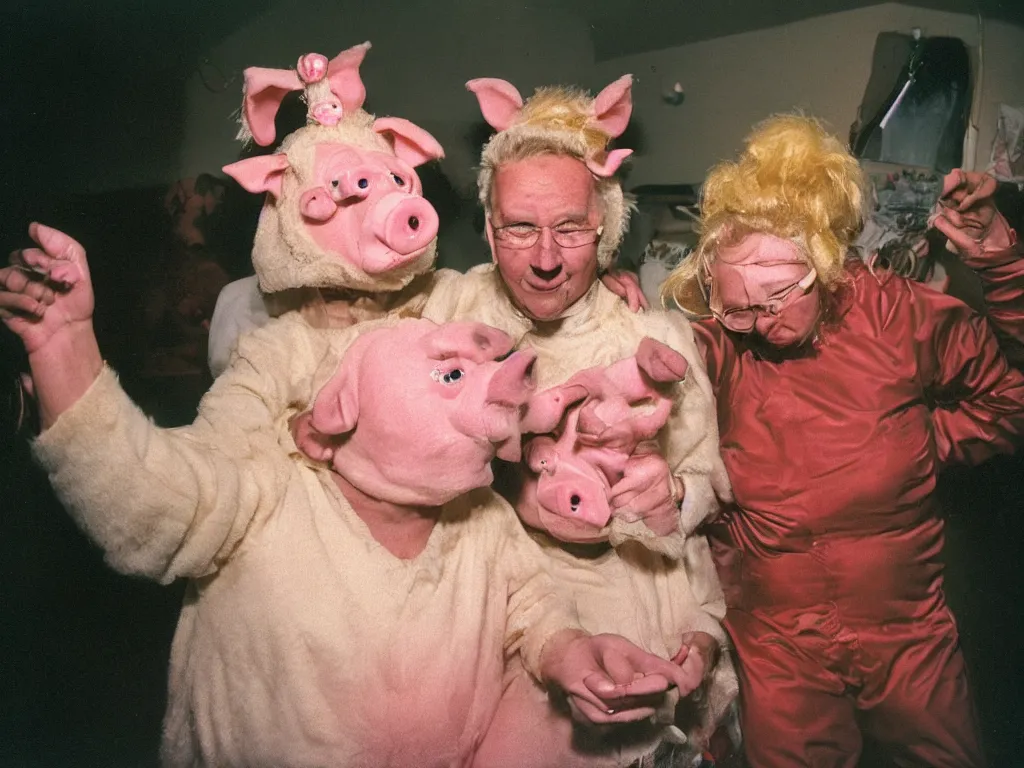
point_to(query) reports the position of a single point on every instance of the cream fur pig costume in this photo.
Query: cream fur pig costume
(652, 589)
(303, 641)
(344, 212)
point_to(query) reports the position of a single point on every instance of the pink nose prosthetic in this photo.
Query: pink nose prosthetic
(597, 420)
(422, 409)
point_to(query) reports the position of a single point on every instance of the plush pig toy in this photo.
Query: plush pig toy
(610, 418)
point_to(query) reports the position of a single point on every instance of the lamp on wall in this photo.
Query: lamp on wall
(674, 94)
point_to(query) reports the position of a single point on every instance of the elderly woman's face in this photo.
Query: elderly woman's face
(543, 231)
(764, 285)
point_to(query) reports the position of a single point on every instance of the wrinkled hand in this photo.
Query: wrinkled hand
(312, 442)
(968, 217)
(696, 658)
(607, 678)
(46, 290)
(626, 286)
(648, 491)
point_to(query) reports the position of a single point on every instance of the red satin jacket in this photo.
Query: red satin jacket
(833, 455)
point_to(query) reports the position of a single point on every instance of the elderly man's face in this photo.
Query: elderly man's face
(551, 198)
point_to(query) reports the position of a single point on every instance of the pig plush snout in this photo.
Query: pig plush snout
(575, 497)
(404, 224)
(508, 391)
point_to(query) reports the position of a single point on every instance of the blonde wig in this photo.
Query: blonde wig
(793, 180)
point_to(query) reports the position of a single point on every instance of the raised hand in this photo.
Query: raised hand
(968, 217)
(46, 290)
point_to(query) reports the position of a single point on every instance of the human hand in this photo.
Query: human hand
(46, 291)
(626, 285)
(696, 658)
(968, 217)
(648, 491)
(312, 442)
(609, 679)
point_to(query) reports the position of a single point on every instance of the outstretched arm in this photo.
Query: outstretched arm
(983, 240)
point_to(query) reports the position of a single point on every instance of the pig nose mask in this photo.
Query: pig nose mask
(424, 409)
(371, 201)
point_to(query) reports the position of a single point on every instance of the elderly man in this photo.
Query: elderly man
(555, 217)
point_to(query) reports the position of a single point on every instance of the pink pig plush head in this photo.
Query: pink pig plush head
(344, 205)
(423, 409)
(588, 430)
(561, 121)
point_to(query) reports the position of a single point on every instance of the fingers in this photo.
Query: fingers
(979, 187)
(56, 243)
(22, 292)
(959, 238)
(71, 266)
(601, 716)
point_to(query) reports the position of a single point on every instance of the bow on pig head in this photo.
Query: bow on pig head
(600, 418)
(332, 90)
(553, 111)
(421, 410)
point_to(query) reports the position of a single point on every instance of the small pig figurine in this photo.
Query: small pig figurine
(345, 207)
(610, 417)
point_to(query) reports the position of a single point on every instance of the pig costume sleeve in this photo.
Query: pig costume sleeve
(302, 640)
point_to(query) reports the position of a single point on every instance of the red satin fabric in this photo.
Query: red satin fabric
(830, 559)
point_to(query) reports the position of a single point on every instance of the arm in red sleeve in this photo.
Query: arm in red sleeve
(979, 398)
(714, 346)
(984, 241)
(1001, 271)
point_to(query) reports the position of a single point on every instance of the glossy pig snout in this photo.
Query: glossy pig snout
(405, 225)
(579, 500)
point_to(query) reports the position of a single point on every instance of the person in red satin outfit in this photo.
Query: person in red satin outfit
(841, 394)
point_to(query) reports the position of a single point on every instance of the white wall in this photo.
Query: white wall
(820, 65)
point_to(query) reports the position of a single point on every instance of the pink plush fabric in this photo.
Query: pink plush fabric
(603, 418)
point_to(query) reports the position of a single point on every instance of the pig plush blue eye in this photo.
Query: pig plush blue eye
(454, 375)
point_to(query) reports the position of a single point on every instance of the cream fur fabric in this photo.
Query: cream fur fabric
(302, 641)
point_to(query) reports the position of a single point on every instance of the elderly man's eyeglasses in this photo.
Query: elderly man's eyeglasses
(564, 235)
(742, 319)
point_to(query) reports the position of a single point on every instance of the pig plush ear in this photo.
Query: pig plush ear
(606, 165)
(260, 174)
(336, 408)
(344, 79)
(613, 106)
(411, 143)
(500, 102)
(265, 89)
(660, 362)
(545, 410)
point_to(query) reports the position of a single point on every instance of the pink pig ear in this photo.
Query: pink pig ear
(500, 102)
(265, 89)
(545, 410)
(606, 168)
(613, 106)
(660, 362)
(411, 143)
(260, 174)
(343, 76)
(336, 408)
